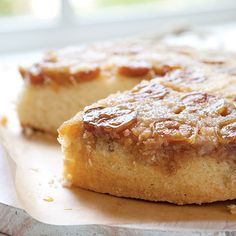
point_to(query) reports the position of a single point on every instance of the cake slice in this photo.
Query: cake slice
(156, 143)
(67, 80)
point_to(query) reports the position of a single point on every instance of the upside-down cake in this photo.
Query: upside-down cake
(67, 80)
(154, 142)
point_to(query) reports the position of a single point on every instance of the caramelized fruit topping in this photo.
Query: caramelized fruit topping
(228, 132)
(162, 70)
(195, 98)
(134, 69)
(185, 76)
(174, 130)
(59, 74)
(108, 119)
(152, 90)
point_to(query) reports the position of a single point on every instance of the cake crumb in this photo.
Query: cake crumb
(3, 121)
(28, 132)
(51, 182)
(66, 182)
(48, 199)
(232, 209)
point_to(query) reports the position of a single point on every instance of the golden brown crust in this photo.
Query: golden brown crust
(134, 59)
(153, 119)
(167, 133)
(105, 166)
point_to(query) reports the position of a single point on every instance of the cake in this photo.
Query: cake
(155, 142)
(172, 138)
(67, 80)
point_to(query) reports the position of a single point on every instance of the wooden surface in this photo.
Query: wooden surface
(14, 221)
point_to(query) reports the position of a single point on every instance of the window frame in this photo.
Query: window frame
(52, 34)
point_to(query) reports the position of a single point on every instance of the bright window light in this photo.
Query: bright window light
(37, 9)
(28, 24)
(45, 9)
(131, 7)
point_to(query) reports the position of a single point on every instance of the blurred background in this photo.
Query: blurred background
(36, 24)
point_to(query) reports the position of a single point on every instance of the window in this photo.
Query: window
(33, 8)
(116, 8)
(30, 24)
(19, 13)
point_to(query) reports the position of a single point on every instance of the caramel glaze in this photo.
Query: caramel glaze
(143, 59)
(155, 122)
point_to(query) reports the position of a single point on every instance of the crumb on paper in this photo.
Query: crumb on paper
(68, 209)
(48, 199)
(34, 169)
(28, 132)
(66, 182)
(51, 181)
(3, 121)
(232, 208)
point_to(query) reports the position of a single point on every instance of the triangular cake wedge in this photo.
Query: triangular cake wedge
(155, 143)
(67, 80)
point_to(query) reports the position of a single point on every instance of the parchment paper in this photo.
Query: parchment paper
(37, 173)
(7, 184)
(37, 181)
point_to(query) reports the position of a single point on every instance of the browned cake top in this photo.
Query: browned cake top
(144, 59)
(152, 119)
(197, 78)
